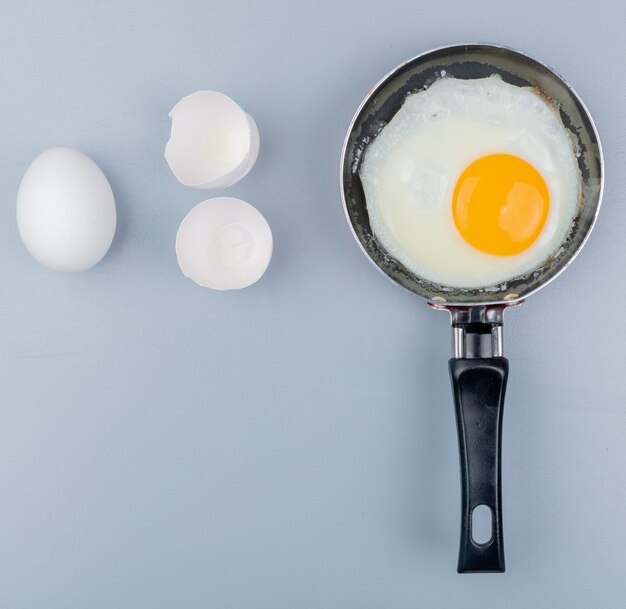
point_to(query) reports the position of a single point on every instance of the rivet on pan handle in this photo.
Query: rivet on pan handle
(479, 374)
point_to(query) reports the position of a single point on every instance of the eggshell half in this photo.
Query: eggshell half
(214, 142)
(224, 244)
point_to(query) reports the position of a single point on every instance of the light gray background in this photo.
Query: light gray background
(292, 445)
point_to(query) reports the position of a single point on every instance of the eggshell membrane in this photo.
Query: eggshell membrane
(224, 244)
(213, 143)
(66, 213)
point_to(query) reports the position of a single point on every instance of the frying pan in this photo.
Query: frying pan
(478, 369)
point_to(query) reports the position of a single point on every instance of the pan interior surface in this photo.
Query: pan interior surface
(471, 61)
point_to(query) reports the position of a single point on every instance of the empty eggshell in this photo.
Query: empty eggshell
(65, 210)
(224, 244)
(214, 142)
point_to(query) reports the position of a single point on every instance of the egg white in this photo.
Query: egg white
(411, 168)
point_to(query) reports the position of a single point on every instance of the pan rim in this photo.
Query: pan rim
(576, 97)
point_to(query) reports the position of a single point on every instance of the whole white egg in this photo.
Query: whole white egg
(65, 210)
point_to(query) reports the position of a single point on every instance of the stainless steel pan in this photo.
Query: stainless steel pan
(478, 369)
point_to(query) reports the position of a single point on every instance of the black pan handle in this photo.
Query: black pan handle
(479, 386)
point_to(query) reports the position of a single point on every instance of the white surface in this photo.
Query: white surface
(291, 445)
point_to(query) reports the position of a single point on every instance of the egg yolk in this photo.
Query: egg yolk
(500, 204)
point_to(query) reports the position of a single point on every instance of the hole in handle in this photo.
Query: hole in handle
(482, 525)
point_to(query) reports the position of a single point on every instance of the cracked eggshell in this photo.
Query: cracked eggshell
(214, 142)
(65, 210)
(224, 244)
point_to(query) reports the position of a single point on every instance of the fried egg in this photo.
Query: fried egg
(472, 183)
